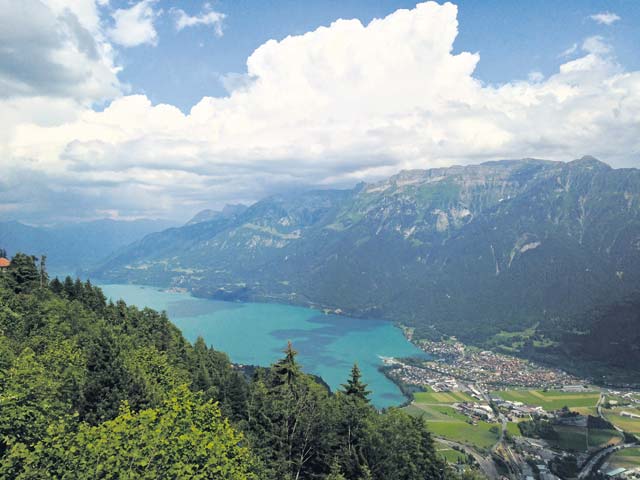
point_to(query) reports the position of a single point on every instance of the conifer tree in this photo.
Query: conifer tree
(354, 386)
(286, 370)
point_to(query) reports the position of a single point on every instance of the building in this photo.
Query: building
(616, 472)
(4, 264)
(629, 415)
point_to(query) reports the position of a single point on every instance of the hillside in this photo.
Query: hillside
(468, 251)
(95, 389)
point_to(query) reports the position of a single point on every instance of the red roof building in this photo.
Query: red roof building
(4, 263)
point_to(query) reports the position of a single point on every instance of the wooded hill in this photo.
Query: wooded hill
(93, 389)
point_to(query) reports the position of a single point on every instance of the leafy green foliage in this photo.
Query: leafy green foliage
(183, 438)
(92, 389)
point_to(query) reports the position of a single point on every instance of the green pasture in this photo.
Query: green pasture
(550, 400)
(443, 421)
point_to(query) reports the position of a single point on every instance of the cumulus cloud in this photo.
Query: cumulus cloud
(333, 106)
(50, 51)
(605, 18)
(135, 25)
(207, 17)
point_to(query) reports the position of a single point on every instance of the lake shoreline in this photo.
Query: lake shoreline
(255, 333)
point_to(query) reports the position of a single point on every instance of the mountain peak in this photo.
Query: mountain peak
(229, 210)
(590, 163)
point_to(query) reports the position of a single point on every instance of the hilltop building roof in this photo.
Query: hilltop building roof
(4, 263)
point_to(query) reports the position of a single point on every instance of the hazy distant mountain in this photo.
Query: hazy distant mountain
(75, 246)
(208, 215)
(469, 251)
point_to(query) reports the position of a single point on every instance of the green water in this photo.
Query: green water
(256, 333)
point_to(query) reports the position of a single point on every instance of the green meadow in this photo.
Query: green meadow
(627, 458)
(631, 425)
(576, 439)
(442, 397)
(552, 399)
(444, 421)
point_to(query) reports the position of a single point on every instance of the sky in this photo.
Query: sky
(158, 109)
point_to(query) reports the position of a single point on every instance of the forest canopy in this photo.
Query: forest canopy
(91, 388)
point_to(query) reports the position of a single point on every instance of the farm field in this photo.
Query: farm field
(451, 455)
(631, 425)
(627, 458)
(601, 438)
(575, 438)
(593, 411)
(443, 421)
(512, 428)
(442, 397)
(550, 400)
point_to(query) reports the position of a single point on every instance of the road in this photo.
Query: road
(601, 415)
(486, 464)
(588, 467)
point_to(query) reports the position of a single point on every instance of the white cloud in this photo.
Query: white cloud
(330, 107)
(570, 51)
(206, 17)
(134, 26)
(605, 18)
(596, 45)
(535, 76)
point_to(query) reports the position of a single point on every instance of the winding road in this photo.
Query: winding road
(588, 467)
(486, 464)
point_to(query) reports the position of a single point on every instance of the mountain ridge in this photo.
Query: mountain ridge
(466, 250)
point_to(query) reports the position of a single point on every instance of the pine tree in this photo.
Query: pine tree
(354, 387)
(44, 277)
(24, 273)
(286, 370)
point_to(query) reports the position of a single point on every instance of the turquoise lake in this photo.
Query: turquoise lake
(257, 333)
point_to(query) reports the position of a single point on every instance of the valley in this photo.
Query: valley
(534, 258)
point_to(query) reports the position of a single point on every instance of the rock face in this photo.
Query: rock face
(466, 250)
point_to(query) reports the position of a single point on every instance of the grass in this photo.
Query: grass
(631, 425)
(627, 458)
(601, 438)
(575, 438)
(512, 428)
(552, 399)
(451, 455)
(593, 411)
(444, 421)
(442, 397)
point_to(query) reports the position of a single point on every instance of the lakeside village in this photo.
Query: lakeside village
(545, 422)
(456, 366)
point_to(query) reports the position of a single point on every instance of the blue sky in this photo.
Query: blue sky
(158, 109)
(513, 38)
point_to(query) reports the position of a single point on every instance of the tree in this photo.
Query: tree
(354, 387)
(44, 277)
(23, 273)
(29, 401)
(336, 472)
(398, 446)
(286, 371)
(183, 438)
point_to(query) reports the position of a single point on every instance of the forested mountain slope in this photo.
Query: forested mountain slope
(469, 251)
(93, 389)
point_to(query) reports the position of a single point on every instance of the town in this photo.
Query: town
(454, 365)
(518, 419)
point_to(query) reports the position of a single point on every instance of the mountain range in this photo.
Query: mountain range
(472, 251)
(73, 247)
